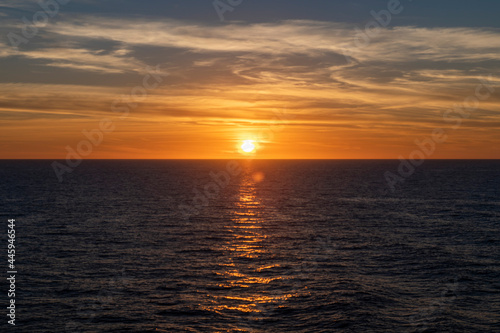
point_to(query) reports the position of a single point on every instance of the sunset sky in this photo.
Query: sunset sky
(295, 77)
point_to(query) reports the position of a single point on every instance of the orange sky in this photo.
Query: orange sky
(286, 85)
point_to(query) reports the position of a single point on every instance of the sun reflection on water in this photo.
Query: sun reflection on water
(245, 272)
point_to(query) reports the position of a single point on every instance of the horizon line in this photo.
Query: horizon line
(262, 159)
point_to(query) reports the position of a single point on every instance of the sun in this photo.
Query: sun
(248, 146)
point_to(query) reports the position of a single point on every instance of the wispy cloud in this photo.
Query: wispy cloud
(236, 75)
(309, 37)
(82, 59)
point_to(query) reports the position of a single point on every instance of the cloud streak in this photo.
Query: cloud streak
(232, 77)
(308, 37)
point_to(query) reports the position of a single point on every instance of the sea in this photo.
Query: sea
(252, 246)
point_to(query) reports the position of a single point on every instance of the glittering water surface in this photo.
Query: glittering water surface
(283, 246)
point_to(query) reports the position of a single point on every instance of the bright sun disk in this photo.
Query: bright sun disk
(248, 146)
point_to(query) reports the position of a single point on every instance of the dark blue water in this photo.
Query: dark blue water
(280, 246)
